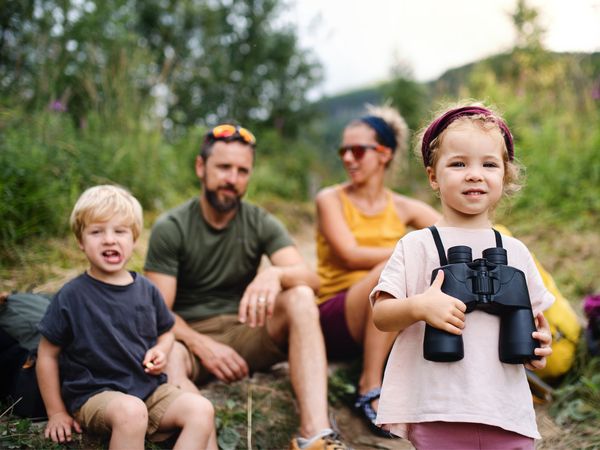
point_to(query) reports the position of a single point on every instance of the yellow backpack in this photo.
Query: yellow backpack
(564, 324)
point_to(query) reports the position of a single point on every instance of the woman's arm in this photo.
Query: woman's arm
(415, 213)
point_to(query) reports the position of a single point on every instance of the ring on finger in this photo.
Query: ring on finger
(261, 300)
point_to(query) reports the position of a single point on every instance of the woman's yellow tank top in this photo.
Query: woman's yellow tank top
(383, 229)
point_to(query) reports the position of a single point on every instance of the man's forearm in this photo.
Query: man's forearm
(184, 333)
(297, 275)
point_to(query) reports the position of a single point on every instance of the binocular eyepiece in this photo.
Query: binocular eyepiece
(463, 254)
(490, 285)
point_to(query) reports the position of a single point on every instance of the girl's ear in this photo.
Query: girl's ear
(432, 178)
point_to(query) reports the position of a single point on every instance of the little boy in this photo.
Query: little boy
(108, 330)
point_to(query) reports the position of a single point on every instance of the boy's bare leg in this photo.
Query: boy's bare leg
(127, 417)
(194, 415)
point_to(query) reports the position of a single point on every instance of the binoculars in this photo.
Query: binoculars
(486, 284)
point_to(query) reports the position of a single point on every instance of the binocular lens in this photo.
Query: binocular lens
(496, 255)
(459, 254)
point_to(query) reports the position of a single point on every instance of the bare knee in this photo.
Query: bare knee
(193, 410)
(127, 413)
(201, 410)
(300, 304)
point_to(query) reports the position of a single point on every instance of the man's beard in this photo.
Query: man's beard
(222, 206)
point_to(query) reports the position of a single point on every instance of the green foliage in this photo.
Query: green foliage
(282, 167)
(343, 381)
(407, 95)
(577, 401)
(45, 163)
(203, 62)
(254, 413)
(22, 433)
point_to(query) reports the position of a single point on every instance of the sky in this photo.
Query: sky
(359, 41)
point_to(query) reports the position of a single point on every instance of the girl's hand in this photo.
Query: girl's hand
(544, 335)
(59, 427)
(441, 310)
(154, 361)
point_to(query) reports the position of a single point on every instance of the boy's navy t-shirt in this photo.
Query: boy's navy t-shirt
(104, 332)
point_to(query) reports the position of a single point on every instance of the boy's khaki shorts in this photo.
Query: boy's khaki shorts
(253, 344)
(91, 415)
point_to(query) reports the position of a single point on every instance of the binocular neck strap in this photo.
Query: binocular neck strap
(440, 246)
(498, 238)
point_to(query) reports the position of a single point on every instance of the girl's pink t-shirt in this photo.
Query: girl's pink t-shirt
(477, 389)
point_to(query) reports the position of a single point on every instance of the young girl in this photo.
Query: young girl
(477, 402)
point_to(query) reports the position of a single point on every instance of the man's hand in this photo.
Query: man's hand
(59, 427)
(544, 335)
(441, 310)
(258, 301)
(221, 360)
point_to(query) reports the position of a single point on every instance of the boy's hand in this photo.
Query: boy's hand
(544, 335)
(59, 427)
(441, 310)
(154, 361)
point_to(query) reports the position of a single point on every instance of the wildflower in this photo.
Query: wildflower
(57, 106)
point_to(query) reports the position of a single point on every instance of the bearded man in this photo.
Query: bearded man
(231, 318)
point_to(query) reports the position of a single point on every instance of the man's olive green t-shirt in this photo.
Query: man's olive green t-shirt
(213, 267)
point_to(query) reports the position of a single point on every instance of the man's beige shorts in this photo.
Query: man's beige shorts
(91, 415)
(253, 344)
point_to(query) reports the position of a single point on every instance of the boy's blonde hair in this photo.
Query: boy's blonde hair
(103, 202)
(513, 178)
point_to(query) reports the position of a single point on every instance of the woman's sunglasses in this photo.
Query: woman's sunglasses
(227, 130)
(358, 151)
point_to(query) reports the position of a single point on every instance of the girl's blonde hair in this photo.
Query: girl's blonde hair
(488, 121)
(103, 202)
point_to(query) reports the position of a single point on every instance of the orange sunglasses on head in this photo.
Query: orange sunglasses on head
(358, 151)
(227, 130)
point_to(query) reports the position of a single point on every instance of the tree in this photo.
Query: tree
(406, 94)
(203, 61)
(529, 31)
(228, 60)
(73, 56)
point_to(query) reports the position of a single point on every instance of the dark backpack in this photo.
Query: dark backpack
(19, 338)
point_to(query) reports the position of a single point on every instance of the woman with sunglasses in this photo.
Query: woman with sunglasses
(359, 223)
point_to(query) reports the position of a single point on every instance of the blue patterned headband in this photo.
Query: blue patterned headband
(385, 133)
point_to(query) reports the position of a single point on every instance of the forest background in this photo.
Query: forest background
(122, 91)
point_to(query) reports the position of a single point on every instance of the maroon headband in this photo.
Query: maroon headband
(442, 122)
